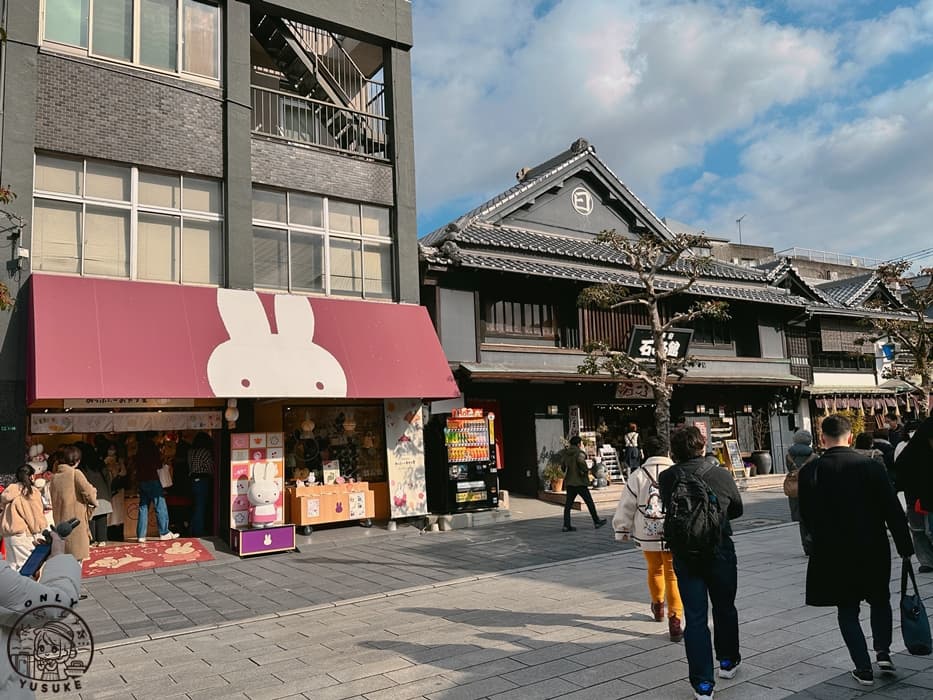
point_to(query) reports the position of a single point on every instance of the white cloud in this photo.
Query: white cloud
(651, 83)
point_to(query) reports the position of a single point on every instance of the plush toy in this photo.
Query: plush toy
(302, 476)
(263, 493)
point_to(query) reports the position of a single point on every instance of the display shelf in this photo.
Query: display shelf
(610, 460)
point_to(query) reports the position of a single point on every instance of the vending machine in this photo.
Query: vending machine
(461, 460)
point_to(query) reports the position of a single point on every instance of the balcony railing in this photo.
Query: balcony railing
(290, 117)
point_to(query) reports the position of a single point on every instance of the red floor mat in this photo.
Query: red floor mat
(135, 556)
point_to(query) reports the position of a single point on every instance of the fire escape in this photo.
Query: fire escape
(322, 98)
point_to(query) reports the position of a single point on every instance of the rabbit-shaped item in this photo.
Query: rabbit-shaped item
(256, 362)
(264, 490)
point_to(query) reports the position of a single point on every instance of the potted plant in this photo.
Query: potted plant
(553, 475)
(761, 430)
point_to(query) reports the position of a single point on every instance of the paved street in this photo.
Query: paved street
(576, 629)
(574, 624)
(350, 562)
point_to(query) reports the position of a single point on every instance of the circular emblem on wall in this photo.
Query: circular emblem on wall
(50, 645)
(582, 201)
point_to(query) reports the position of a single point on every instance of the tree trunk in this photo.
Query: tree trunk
(662, 417)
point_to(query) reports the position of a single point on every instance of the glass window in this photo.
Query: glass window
(345, 267)
(343, 216)
(159, 190)
(200, 38)
(158, 33)
(66, 21)
(306, 210)
(157, 247)
(201, 195)
(106, 242)
(270, 258)
(307, 261)
(269, 205)
(107, 181)
(113, 29)
(58, 175)
(377, 268)
(202, 252)
(56, 236)
(375, 221)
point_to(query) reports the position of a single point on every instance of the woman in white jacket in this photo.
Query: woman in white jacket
(639, 516)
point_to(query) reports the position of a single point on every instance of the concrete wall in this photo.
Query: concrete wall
(457, 325)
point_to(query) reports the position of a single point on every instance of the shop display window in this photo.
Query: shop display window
(327, 442)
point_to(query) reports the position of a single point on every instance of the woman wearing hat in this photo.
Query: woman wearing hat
(799, 454)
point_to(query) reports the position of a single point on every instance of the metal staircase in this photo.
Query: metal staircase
(315, 67)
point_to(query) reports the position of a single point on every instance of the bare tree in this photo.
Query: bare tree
(665, 269)
(911, 336)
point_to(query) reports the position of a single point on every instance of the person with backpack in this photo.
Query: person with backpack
(577, 482)
(913, 469)
(848, 505)
(700, 499)
(640, 515)
(798, 454)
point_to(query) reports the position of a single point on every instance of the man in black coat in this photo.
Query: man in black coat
(712, 581)
(846, 502)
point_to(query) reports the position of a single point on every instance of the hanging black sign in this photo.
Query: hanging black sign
(676, 342)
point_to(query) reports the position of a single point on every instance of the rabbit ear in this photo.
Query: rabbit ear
(271, 472)
(242, 313)
(294, 318)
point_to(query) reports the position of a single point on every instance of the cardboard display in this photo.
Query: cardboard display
(330, 503)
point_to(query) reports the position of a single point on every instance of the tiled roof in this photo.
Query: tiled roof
(508, 238)
(783, 268)
(851, 291)
(592, 274)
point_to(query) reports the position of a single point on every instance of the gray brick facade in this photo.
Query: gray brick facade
(100, 110)
(313, 170)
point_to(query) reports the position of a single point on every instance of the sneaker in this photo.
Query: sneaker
(703, 690)
(569, 528)
(864, 676)
(657, 609)
(675, 629)
(141, 539)
(101, 544)
(728, 669)
(599, 523)
(169, 536)
(884, 662)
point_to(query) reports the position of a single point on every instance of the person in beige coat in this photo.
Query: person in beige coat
(72, 496)
(21, 517)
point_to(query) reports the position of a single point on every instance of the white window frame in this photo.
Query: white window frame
(134, 208)
(134, 61)
(326, 234)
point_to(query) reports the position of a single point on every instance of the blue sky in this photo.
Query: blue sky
(812, 118)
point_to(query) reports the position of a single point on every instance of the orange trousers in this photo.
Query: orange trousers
(662, 582)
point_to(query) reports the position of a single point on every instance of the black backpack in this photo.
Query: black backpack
(693, 520)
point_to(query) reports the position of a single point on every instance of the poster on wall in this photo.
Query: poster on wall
(405, 452)
(257, 477)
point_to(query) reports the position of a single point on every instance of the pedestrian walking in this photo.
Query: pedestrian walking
(201, 473)
(640, 516)
(576, 482)
(631, 454)
(799, 454)
(865, 446)
(696, 491)
(73, 497)
(97, 474)
(148, 463)
(847, 502)
(22, 518)
(913, 469)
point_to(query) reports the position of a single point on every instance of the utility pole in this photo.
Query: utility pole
(738, 225)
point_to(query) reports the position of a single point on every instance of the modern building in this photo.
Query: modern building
(214, 228)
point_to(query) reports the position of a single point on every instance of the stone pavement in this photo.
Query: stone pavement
(349, 562)
(574, 629)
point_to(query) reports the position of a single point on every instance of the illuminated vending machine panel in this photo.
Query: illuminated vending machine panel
(469, 438)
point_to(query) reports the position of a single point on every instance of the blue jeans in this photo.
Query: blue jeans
(715, 581)
(200, 493)
(151, 492)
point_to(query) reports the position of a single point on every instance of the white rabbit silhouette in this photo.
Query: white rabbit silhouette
(254, 362)
(264, 490)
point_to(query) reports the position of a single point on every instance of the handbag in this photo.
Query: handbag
(791, 486)
(915, 627)
(165, 476)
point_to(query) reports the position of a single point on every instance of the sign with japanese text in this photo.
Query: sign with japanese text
(633, 389)
(676, 342)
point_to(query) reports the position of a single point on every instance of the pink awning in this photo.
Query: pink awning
(99, 338)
